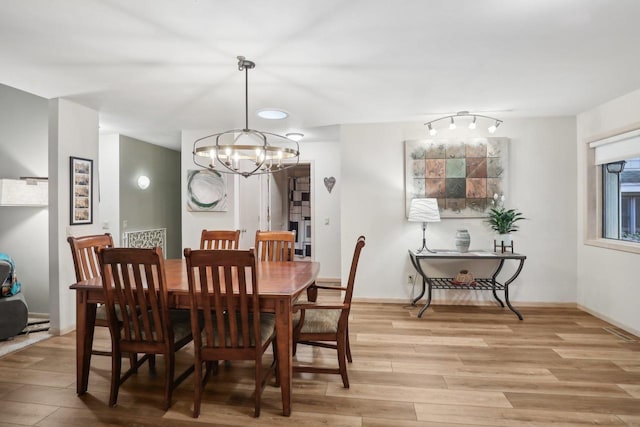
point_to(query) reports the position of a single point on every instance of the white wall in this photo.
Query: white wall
(109, 154)
(23, 152)
(325, 162)
(194, 222)
(73, 131)
(607, 278)
(542, 185)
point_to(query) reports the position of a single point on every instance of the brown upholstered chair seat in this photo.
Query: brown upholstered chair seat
(320, 321)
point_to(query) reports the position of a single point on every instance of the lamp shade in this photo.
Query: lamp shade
(424, 210)
(24, 192)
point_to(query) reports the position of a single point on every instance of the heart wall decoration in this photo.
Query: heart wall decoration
(329, 182)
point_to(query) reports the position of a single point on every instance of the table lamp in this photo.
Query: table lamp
(424, 211)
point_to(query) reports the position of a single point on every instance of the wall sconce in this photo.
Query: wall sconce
(143, 182)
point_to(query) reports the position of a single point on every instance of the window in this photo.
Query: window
(621, 200)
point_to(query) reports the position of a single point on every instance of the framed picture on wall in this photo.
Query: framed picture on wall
(463, 174)
(81, 194)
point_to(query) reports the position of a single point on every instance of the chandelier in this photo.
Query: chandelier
(463, 115)
(246, 151)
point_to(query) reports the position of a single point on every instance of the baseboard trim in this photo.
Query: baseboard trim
(610, 320)
(469, 302)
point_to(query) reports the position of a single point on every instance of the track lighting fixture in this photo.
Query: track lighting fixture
(460, 115)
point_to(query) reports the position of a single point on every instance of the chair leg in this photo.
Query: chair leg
(133, 360)
(277, 362)
(168, 381)
(152, 364)
(342, 359)
(348, 348)
(198, 382)
(116, 366)
(258, 387)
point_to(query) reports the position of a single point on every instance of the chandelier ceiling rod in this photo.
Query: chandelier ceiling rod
(246, 65)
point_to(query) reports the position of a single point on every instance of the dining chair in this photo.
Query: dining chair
(223, 288)
(135, 280)
(327, 325)
(219, 239)
(86, 266)
(275, 245)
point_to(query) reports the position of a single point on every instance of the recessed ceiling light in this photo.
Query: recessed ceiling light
(272, 114)
(296, 136)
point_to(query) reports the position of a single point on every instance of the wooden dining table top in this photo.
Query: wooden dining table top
(274, 278)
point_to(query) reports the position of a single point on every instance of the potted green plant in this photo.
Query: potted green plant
(502, 220)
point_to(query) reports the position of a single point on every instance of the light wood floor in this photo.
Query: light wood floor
(457, 366)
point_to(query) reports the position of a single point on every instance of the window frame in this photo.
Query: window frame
(593, 224)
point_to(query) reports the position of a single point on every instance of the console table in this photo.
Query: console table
(481, 284)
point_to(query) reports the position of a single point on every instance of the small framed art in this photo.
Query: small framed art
(81, 194)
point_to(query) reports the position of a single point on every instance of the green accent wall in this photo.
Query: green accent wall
(159, 205)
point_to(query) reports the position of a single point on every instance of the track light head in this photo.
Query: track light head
(494, 127)
(452, 125)
(472, 125)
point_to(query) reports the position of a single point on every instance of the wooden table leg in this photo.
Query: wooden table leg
(284, 336)
(85, 322)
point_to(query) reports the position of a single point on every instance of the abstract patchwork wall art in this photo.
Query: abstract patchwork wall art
(463, 174)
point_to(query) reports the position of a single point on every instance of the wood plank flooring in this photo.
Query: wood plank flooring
(457, 366)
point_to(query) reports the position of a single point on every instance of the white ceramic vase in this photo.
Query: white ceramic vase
(463, 240)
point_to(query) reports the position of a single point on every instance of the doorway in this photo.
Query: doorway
(299, 209)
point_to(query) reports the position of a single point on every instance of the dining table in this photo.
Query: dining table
(279, 283)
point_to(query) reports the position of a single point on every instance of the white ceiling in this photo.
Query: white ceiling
(153, 67)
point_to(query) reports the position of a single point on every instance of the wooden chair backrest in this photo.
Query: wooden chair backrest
(354, 266)
(228, 286)
(135, 279)
(83, 250)
(275, 245)
(219, 239)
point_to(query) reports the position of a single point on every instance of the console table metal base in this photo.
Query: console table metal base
(481, 284)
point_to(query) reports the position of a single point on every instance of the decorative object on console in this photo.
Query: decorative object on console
(461, 173)
(329, 182)
(424, 211)
(246, 151)
(464, 278)
(463, 240)
(503, 221)
(463, 116)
